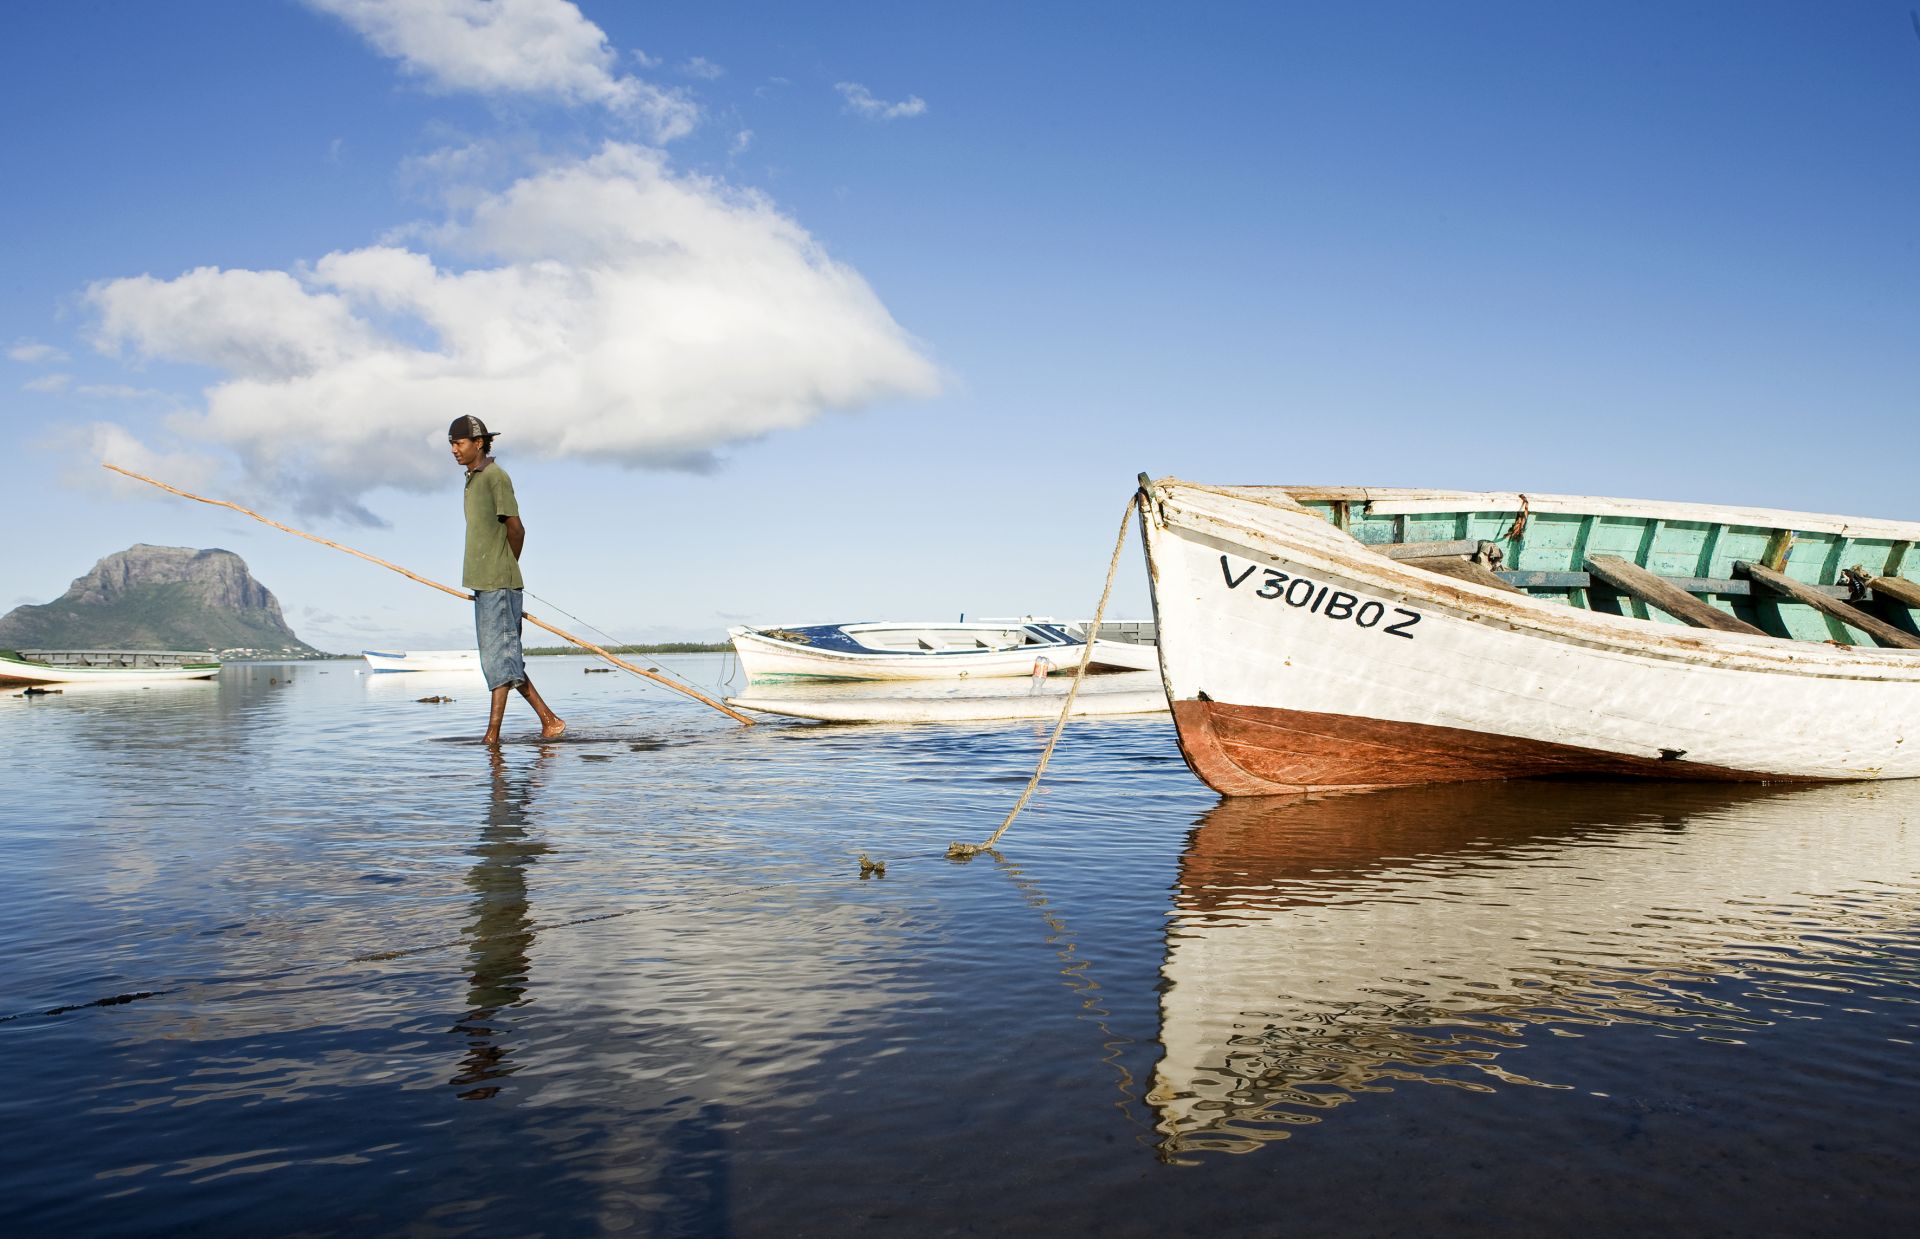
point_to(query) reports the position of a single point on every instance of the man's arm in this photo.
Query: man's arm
(516, 534)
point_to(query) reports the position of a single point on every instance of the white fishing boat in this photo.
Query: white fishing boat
(1325, 638)
(105, 666)
(925, 651)
(422, 660)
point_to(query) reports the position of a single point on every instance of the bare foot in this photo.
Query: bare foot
(553, 728)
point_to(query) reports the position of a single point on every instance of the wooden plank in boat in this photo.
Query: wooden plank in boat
(1536, 579)
(1893, 598)
(1427, 550)
(1462, 570)
(1853, 617)
(1656, 591)
(1897, 588)
(1779, 546)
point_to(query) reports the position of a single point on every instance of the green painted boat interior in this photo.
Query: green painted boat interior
(1545, 555)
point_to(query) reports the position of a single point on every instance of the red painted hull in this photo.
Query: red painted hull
(1264, 751)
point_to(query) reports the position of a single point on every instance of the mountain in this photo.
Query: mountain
(160, 598)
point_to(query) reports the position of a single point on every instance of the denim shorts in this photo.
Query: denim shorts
(496, 619)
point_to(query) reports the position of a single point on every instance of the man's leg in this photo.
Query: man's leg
(497, 626)
(496, 711)
(552, 726)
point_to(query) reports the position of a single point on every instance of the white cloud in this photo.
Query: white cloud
(253, 324)
(450, 174)
(741, 141)
(48, 383)
(703, 68)
(861, 102)
(606, 309)
(537, 47)
(110, 444)
(33, 352)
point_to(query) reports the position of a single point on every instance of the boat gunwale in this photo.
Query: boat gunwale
(1409, 501)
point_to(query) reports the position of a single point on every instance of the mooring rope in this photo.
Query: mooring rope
(964, 851)
(1076, 974)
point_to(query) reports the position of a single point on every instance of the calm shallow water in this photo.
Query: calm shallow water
(633, 982)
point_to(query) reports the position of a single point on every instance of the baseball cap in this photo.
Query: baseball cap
(468, 426)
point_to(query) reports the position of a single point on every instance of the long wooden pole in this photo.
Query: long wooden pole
(535, 620)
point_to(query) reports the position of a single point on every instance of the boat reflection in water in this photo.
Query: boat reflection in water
(1322, 951)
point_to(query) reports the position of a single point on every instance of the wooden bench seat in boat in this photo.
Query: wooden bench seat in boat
(1473, 559)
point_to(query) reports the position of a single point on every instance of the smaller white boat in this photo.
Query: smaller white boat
(105, 666)
(422, 660)
(926, 651)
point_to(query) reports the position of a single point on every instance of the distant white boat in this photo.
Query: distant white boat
(423, 660)
(925, 651)
(104, 666)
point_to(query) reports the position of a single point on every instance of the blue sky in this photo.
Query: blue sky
(806, 311)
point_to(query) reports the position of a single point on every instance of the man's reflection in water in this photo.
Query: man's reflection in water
(501, 931)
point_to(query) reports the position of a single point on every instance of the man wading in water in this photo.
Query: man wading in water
(492, 572)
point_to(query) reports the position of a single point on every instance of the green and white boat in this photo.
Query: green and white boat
(1333, 638)
(105, 666)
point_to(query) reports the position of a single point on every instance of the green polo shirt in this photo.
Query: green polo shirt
(490, 563)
